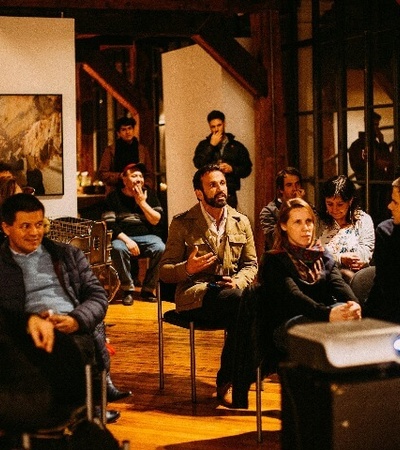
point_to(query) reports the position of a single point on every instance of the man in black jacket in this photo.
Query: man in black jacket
(53, 280)
(232, 156)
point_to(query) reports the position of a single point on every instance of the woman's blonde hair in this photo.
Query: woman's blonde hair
(280, 235)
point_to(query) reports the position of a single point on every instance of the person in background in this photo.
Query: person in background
(383, 302)
(347, 231)
(127, 150)
(134, 214)
(301, 280)
(288, 183)
(222, 148)
(51, 279)
(210, 255)
(381, 168)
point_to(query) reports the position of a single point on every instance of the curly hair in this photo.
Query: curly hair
(340, 186)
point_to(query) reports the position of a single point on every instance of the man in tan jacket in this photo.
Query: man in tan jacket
(210, 255)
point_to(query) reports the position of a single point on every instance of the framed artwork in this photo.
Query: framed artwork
(31, 140)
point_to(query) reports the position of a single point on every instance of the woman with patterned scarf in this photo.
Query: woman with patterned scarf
(301, 280)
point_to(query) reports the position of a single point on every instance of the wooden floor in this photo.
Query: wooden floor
(153, 419)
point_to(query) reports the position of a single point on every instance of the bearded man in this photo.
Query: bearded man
(210, 255)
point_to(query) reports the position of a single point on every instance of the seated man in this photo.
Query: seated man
(383, 302)
(40, 276)
(134, 215)
(288, 183)
(210, 254)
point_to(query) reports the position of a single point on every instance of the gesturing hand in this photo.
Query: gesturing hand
(197, 264)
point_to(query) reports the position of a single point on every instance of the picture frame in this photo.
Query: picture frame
(31, 140)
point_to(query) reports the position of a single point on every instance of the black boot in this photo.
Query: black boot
(113, 394)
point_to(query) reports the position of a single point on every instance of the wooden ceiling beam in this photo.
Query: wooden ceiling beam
(112, 81)
(232, 56)
(222, 6)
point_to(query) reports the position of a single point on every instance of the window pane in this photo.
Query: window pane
(355, 55)
(304, 20)
(307, 152)
(382, 60)
(305, 79)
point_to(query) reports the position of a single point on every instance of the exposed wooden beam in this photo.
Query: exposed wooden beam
(112, 81)
(224, 6)
(234, 58)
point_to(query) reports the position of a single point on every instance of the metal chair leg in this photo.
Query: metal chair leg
(258, 405)
(160, 338)
(89, 392)
(103, 411)
(193, 362)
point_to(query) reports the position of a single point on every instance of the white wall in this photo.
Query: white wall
(37, 56)
(193, 85)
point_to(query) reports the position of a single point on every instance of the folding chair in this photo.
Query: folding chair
(174, 318)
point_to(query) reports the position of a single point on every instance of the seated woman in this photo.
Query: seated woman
(347, 231)
(300, 279)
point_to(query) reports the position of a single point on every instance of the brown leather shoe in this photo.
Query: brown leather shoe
(224, 394)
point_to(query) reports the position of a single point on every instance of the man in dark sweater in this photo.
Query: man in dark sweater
(134, 214)
(127, 150)
(384, 299)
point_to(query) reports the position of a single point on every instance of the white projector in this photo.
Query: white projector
(344, 345)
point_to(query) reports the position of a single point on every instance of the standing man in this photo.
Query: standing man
(222, 148)
(288, 183)
(135, 215)
(127, 150)
(210, 255)
(383, 302)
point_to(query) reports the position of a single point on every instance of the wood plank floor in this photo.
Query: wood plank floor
(153, 419)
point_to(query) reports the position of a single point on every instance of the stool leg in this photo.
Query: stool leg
(258, 405)
(192, 362)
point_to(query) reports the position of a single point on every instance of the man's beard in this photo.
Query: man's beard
(215, 202)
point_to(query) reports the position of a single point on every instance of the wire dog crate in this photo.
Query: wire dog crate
(94, 240)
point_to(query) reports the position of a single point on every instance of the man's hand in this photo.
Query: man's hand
(139, 195)
(197, 264)
(227, 282)
(133, 247)
(42, 332)
(216, 138)
(64, 323)
(225, 167)
(300, 193)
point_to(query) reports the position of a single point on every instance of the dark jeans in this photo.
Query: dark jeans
(221, 307)
(38, 388)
